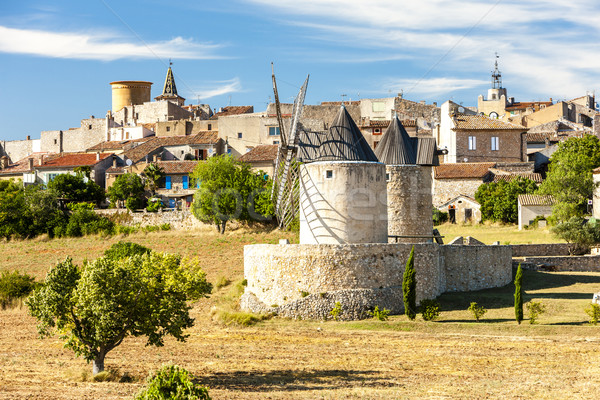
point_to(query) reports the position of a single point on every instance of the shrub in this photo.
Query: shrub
(84, 221)
(519, 295)
(154, 205)
(430, 309)
(134, 203)
(381, 315)
(439, 217)
(535, 308)
(409, 287)
(165, 227)
(151, 228)
(304, 293)
(122, 250)
(594, 312)
(14, 286)
(222, 282)
(477, 311)
(336, 311)
(174, 383)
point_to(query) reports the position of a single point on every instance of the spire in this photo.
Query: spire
(496, 75)
(344, 142)
(170, 90)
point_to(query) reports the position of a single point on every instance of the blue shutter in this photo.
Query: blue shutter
(185, 182)
(167, 182)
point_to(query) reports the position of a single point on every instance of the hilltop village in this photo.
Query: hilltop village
(500, 139)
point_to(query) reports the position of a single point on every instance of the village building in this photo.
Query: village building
(462, 209)
(262, 158)
(453, 180)
(532, 206)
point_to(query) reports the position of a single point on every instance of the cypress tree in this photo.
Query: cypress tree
(409, 287)
(519, 295)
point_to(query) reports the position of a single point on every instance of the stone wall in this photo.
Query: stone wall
(544, 249)
(16, 150)
(179, 220)
(412, 110)
(447, 189)
(563, 263)
(306, 280)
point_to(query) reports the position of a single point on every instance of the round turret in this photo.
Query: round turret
(126, 93)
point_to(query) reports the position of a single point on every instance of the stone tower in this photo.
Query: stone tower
(170, 90)
(343, 189)
(126, 93)
(409, 183)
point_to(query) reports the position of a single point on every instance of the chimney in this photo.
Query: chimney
(114, 164)
(41, 160)
(28, 137)
(97, 156)
(3, 162)
(30, 162)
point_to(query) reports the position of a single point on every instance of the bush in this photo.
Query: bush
(154, 204)
(336, 311)
(222, 282)
(381, 315)
(439, 217)
(594, 312)
(165, 227)
(535, 308)
(84, 221)
(14, 286)
(477, 311)
(122, 250)
(134, 203)
(172, 382)
(430, 309)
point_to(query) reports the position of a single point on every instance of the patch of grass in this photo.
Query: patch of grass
(238, 318)
(221, 282)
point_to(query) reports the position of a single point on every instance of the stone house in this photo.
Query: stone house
(532, 206)
(477, 138)
(262, 158)
(580, 111)
(177, 188)
(462, 209)
(453, 180)
(23, 169)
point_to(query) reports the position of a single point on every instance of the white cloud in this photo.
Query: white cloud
(219, 88)
(432, 86)
(94, 46)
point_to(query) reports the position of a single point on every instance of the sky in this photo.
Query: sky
(58, 57)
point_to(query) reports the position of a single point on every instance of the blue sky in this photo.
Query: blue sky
(58, 57)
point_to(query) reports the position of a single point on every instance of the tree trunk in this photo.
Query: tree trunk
(222, 230)
(98, 364)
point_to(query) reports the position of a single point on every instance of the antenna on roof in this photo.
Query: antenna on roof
(343, 98)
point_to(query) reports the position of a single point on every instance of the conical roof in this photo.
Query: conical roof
(169, 89)
(344, 141)
(396, 146)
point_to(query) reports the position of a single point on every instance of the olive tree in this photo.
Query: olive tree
(95, 307)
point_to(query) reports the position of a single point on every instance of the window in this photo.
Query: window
(137, 115)
(329, 174)
(185, 182)
(90, 126)
(387, 177)
(472, 143)
(168, 182)
(376, 131)
(274, 131)
(239, 135)
(50, 177)
(210, 127)
(168, 129)
(55, 141)
(275, 141)
(495, 143)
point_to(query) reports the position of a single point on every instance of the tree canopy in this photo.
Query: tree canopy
(93, 308)
(153, 174)
(229, 190)
(569, 177)
(127, 186)
(499, 199)
(76, 188)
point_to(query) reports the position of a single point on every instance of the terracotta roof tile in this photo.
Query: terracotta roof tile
(22, 165)
(537, 178)
(536, 200)
(265, 152)
(521, 105)
(139, 152)
(71, 160)
(178, 167)
(462, 170)
(233, 110)
(117, 144)
(471, 122)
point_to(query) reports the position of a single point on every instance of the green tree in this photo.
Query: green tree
(229, 191)
(94, 308)
(77, 188)
(153, 174)
(499, 199)
(569, 177)
(42, 210)
(13, 210)
(519, 295)
(409, 287)
(126, 186)
(578, 232)
(172, 382)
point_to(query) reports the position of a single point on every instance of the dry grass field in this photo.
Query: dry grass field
(450, 358)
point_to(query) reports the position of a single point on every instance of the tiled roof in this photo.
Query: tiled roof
(265, 152)
(115, 170)
(22, 165)
(537, 178)
(178, 167)
(462, 170)
(68, 160)
(528, 104)
(117, 144)
(536, 200)
(339, 103)
(233, 110)
(470, 122)
(139, 152)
